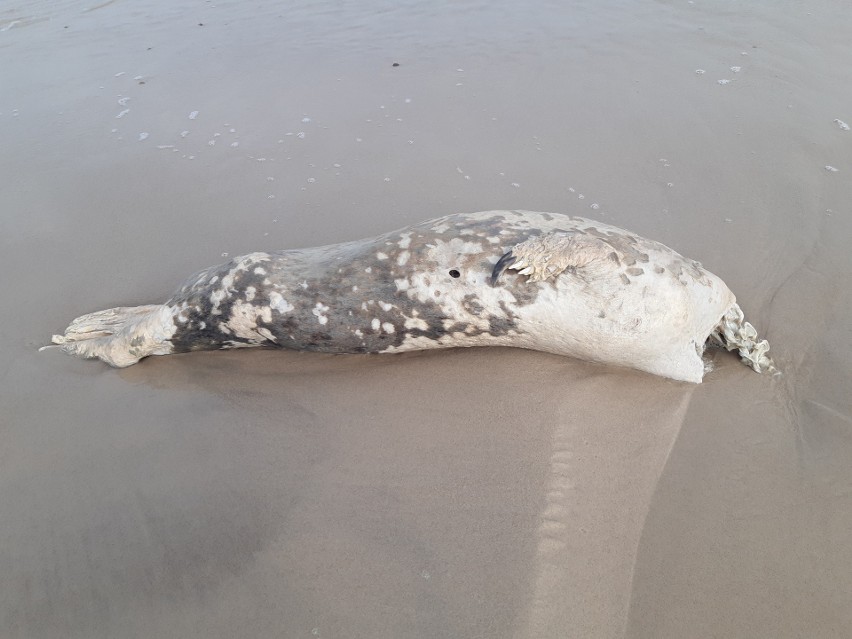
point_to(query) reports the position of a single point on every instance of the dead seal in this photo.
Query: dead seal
(542, 281)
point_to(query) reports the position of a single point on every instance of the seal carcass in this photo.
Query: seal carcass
(542, 281)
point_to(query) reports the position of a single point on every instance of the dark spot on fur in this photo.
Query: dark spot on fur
(454, 273)
(507, 311)
(319, 338)
(433, 332)
(471, 304)
(458, 327)
(501, 325)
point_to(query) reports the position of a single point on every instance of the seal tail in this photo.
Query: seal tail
(734, 333)
(120, 336)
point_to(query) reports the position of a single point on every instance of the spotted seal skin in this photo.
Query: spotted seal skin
(543, 281)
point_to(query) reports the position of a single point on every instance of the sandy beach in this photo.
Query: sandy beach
(467, 493)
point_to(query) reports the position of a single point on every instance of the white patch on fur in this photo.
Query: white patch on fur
(320, 311)
(277, 302)
(243, 264)
(415, 322)
(265, 332)
(243, 321)
(216, 298)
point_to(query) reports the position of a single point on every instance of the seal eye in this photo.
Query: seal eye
(455, 273)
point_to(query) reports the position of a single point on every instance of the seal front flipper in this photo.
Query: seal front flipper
(545, 256)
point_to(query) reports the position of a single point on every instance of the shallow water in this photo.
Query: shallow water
(476, 493)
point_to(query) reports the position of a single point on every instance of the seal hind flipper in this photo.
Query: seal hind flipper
(120, 336)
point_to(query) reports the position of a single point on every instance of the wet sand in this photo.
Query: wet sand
(469, 493)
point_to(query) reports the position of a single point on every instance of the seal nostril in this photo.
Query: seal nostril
(455, 273)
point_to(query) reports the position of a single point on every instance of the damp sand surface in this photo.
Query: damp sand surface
(469, 493)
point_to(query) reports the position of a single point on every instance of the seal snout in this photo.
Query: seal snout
(502, 264)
